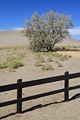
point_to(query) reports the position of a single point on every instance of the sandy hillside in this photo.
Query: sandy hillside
(70, 42)
(11, 38)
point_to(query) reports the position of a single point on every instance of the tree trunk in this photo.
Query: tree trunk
(49, 48)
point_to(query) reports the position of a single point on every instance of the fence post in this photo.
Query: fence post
(19, 96)
(66, 86)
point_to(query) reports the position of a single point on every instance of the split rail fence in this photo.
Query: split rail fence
(19, 85)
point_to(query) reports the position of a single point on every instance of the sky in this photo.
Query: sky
(14, 12)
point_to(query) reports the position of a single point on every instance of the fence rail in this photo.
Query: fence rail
(19, 85)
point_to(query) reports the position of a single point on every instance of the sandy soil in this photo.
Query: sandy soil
(47, 108)
(12, 38)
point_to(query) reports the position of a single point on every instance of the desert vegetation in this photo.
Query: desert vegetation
(48, 60)
(45, 31)
(11, 57)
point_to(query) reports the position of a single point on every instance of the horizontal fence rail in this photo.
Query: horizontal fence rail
(37, 82)
(31, 83)
(19, 85)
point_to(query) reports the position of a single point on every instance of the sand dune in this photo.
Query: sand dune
(12, 38)
(70, 42)
(15, 37)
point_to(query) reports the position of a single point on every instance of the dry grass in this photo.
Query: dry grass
(46, 60)
(11, 57)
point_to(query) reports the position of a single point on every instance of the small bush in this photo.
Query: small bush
(61, 56)
(46, 59)
(50, 59)
(3, 65)
(39, 57)
(11, 57)
(56, 55)
(20, 55)
(11, 64)
(69, 56)
(38, 63)
(47, 66)
(14, 64)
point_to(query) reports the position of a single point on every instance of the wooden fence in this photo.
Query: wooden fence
(19, 85)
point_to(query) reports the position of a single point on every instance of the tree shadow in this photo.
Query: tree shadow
(41, 106)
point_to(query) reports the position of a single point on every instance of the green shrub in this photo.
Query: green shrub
(39, 56)
(61, 56)
(14, 64)
(50, 59)
(3, 65)
(47, 66)
(69, 56)
(11, 57)
(45, 59)
(11, 64)
(44, 34)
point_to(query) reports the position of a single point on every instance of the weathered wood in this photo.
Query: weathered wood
(19, 96)
(74, 75)
(7, 103)
(8, 87)
(43, 81)
(66, 86)
(74, 87)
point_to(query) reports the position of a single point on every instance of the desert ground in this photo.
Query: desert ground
(47, 108)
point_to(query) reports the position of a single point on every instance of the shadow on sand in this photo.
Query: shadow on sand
(40, 106)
